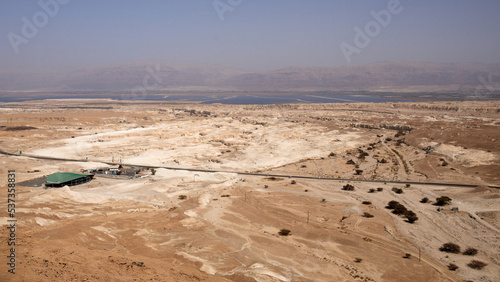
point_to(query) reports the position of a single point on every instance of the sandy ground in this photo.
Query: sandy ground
(180, 225)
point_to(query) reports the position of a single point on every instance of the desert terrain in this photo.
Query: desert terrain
(221, 184)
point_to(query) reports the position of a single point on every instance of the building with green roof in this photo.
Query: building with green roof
(61, 179)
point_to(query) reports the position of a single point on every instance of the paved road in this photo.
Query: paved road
(255, 174)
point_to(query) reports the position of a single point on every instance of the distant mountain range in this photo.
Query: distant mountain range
(163, 77)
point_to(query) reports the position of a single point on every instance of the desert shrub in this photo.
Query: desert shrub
(470, 252)
(411, 216)
(348, 187)
(284, 232)
(273, 178)
(408, 185)
(450, 248)
(452, 267)
(392, 204)
(362, 154)
(380, 189)
(350, 162)
(303, 166)
(397, 190)
(293, 182)
(383, 161)
(424, 200)
(153, 171)
(407, 256)
(476, 264)
(443, 201)
(358, 260)
(367, 215)
(358, 171)
(332, 154)
(267, 186)
(371, 191)
(182, 197)
(399, 209)
(366, 203)
(225, 196)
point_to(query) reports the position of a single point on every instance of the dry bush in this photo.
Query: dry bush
(452, 267)
(476, 264)
(367, 215)
(348, 187)
(450, 248)
(470, 252)
(397, 190)
(366, 203)
(399, 209)
(411, 216)
(392, 205)
(424, 200)
(443, 201)
(284, 232)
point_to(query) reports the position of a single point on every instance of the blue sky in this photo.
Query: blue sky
(256, 34)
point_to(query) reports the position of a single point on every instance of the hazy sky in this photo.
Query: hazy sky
(255, 34)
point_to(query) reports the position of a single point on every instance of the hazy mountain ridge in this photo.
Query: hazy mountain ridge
(172, 76)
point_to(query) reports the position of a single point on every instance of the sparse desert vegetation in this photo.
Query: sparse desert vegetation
(166, 207)
(450, 248)
(476, 264)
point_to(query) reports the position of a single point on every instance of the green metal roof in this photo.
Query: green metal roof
(62, 177)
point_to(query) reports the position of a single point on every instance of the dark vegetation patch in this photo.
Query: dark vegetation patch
(19, 128)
